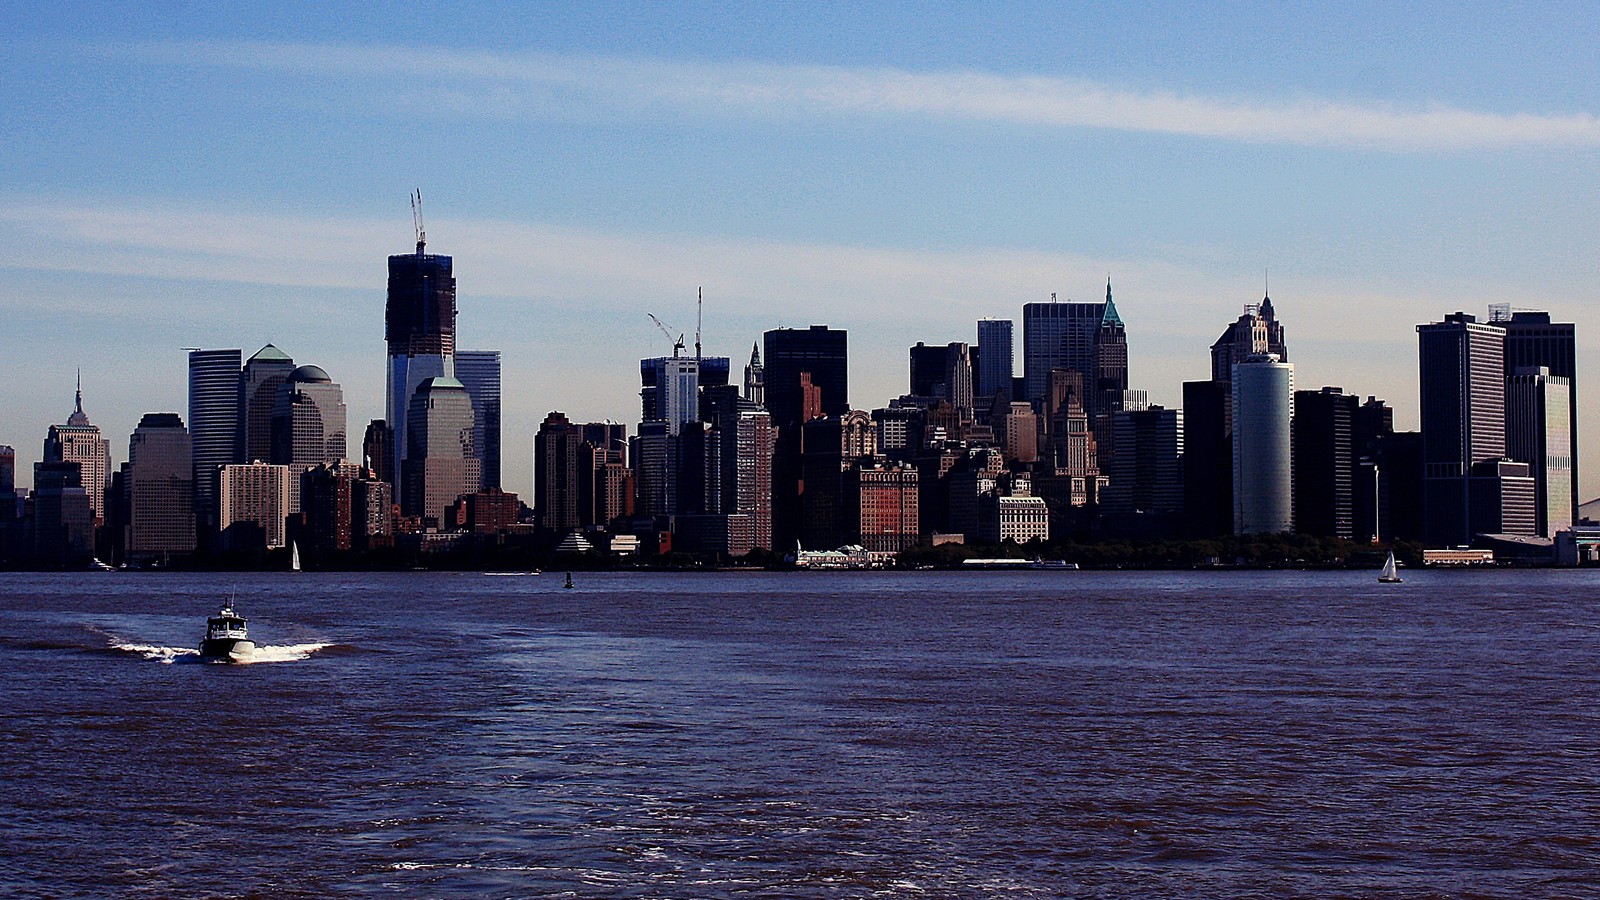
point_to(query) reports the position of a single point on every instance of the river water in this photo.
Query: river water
(804, 735)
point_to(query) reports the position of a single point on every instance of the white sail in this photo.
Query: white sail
(1390, 569)
(294, 556)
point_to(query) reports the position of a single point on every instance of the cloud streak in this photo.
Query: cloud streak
(525, 84)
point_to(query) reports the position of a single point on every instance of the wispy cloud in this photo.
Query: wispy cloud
(511, 84)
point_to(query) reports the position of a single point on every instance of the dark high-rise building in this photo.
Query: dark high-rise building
(806, 375)
(1207, 459)
(1532, 340)
(479, 370)
(1144, 493)
(1462, 380)
(63, 523)
(1324, 462)
(8, 485)
(158, 490)
(819, 350)
(1400, 491)
(1373, 423)
(995, 360)
(216, 393)
(958, 386)
(263, 376)
(556, 490)
(420, 329)
(375, 451)
(927, 370)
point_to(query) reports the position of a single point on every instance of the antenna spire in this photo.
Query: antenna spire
(416, 219)
(699, 307)
(79, 399)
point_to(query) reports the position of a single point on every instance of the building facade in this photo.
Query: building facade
(479, 370)
(158, 485)
(1263, 408)
(440, 464)
(1325, 462)
(995, 360)
(79, 441)
(420, 331)
(253, 505)
(216, 398)
(1463, 404)
(1539, 433)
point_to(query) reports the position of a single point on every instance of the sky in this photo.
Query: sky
(179, 174)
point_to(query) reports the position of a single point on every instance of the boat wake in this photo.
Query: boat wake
(263, 654)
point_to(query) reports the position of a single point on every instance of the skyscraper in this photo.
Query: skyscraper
(1263, 408)
(995, 365)
(821, 351)
(1144, 493)
(754, 377)
(1532, 340)
(63, 524)
(80, 442)
(420, 329)
(215, 394)
(1059, 335)
(1462, 381)
(958, 388)
(375, 452)
(440, 464)
(807, 375)
(1207, 458)
(159, 490)
(1257, 331)
(309, 421)
(753, 474)
(1539, 433)
(556, 473)
(308, 425)
(670, 391)
(253, 505)
(927, 370)
(8, 487)
(264, 373)
(479, 370)
(1088, 338)
(1324, 462)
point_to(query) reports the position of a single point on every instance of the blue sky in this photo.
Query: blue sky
(180, 174)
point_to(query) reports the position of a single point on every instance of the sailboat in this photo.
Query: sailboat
(294, 556)
(1391, 572)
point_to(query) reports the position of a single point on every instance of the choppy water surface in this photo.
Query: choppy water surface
(752, 735)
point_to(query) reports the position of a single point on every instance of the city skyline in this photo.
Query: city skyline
(900, 189)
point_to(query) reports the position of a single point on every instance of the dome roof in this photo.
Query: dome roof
(311, 375)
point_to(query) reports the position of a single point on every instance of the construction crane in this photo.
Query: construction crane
(416, 219)
(677, 342)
